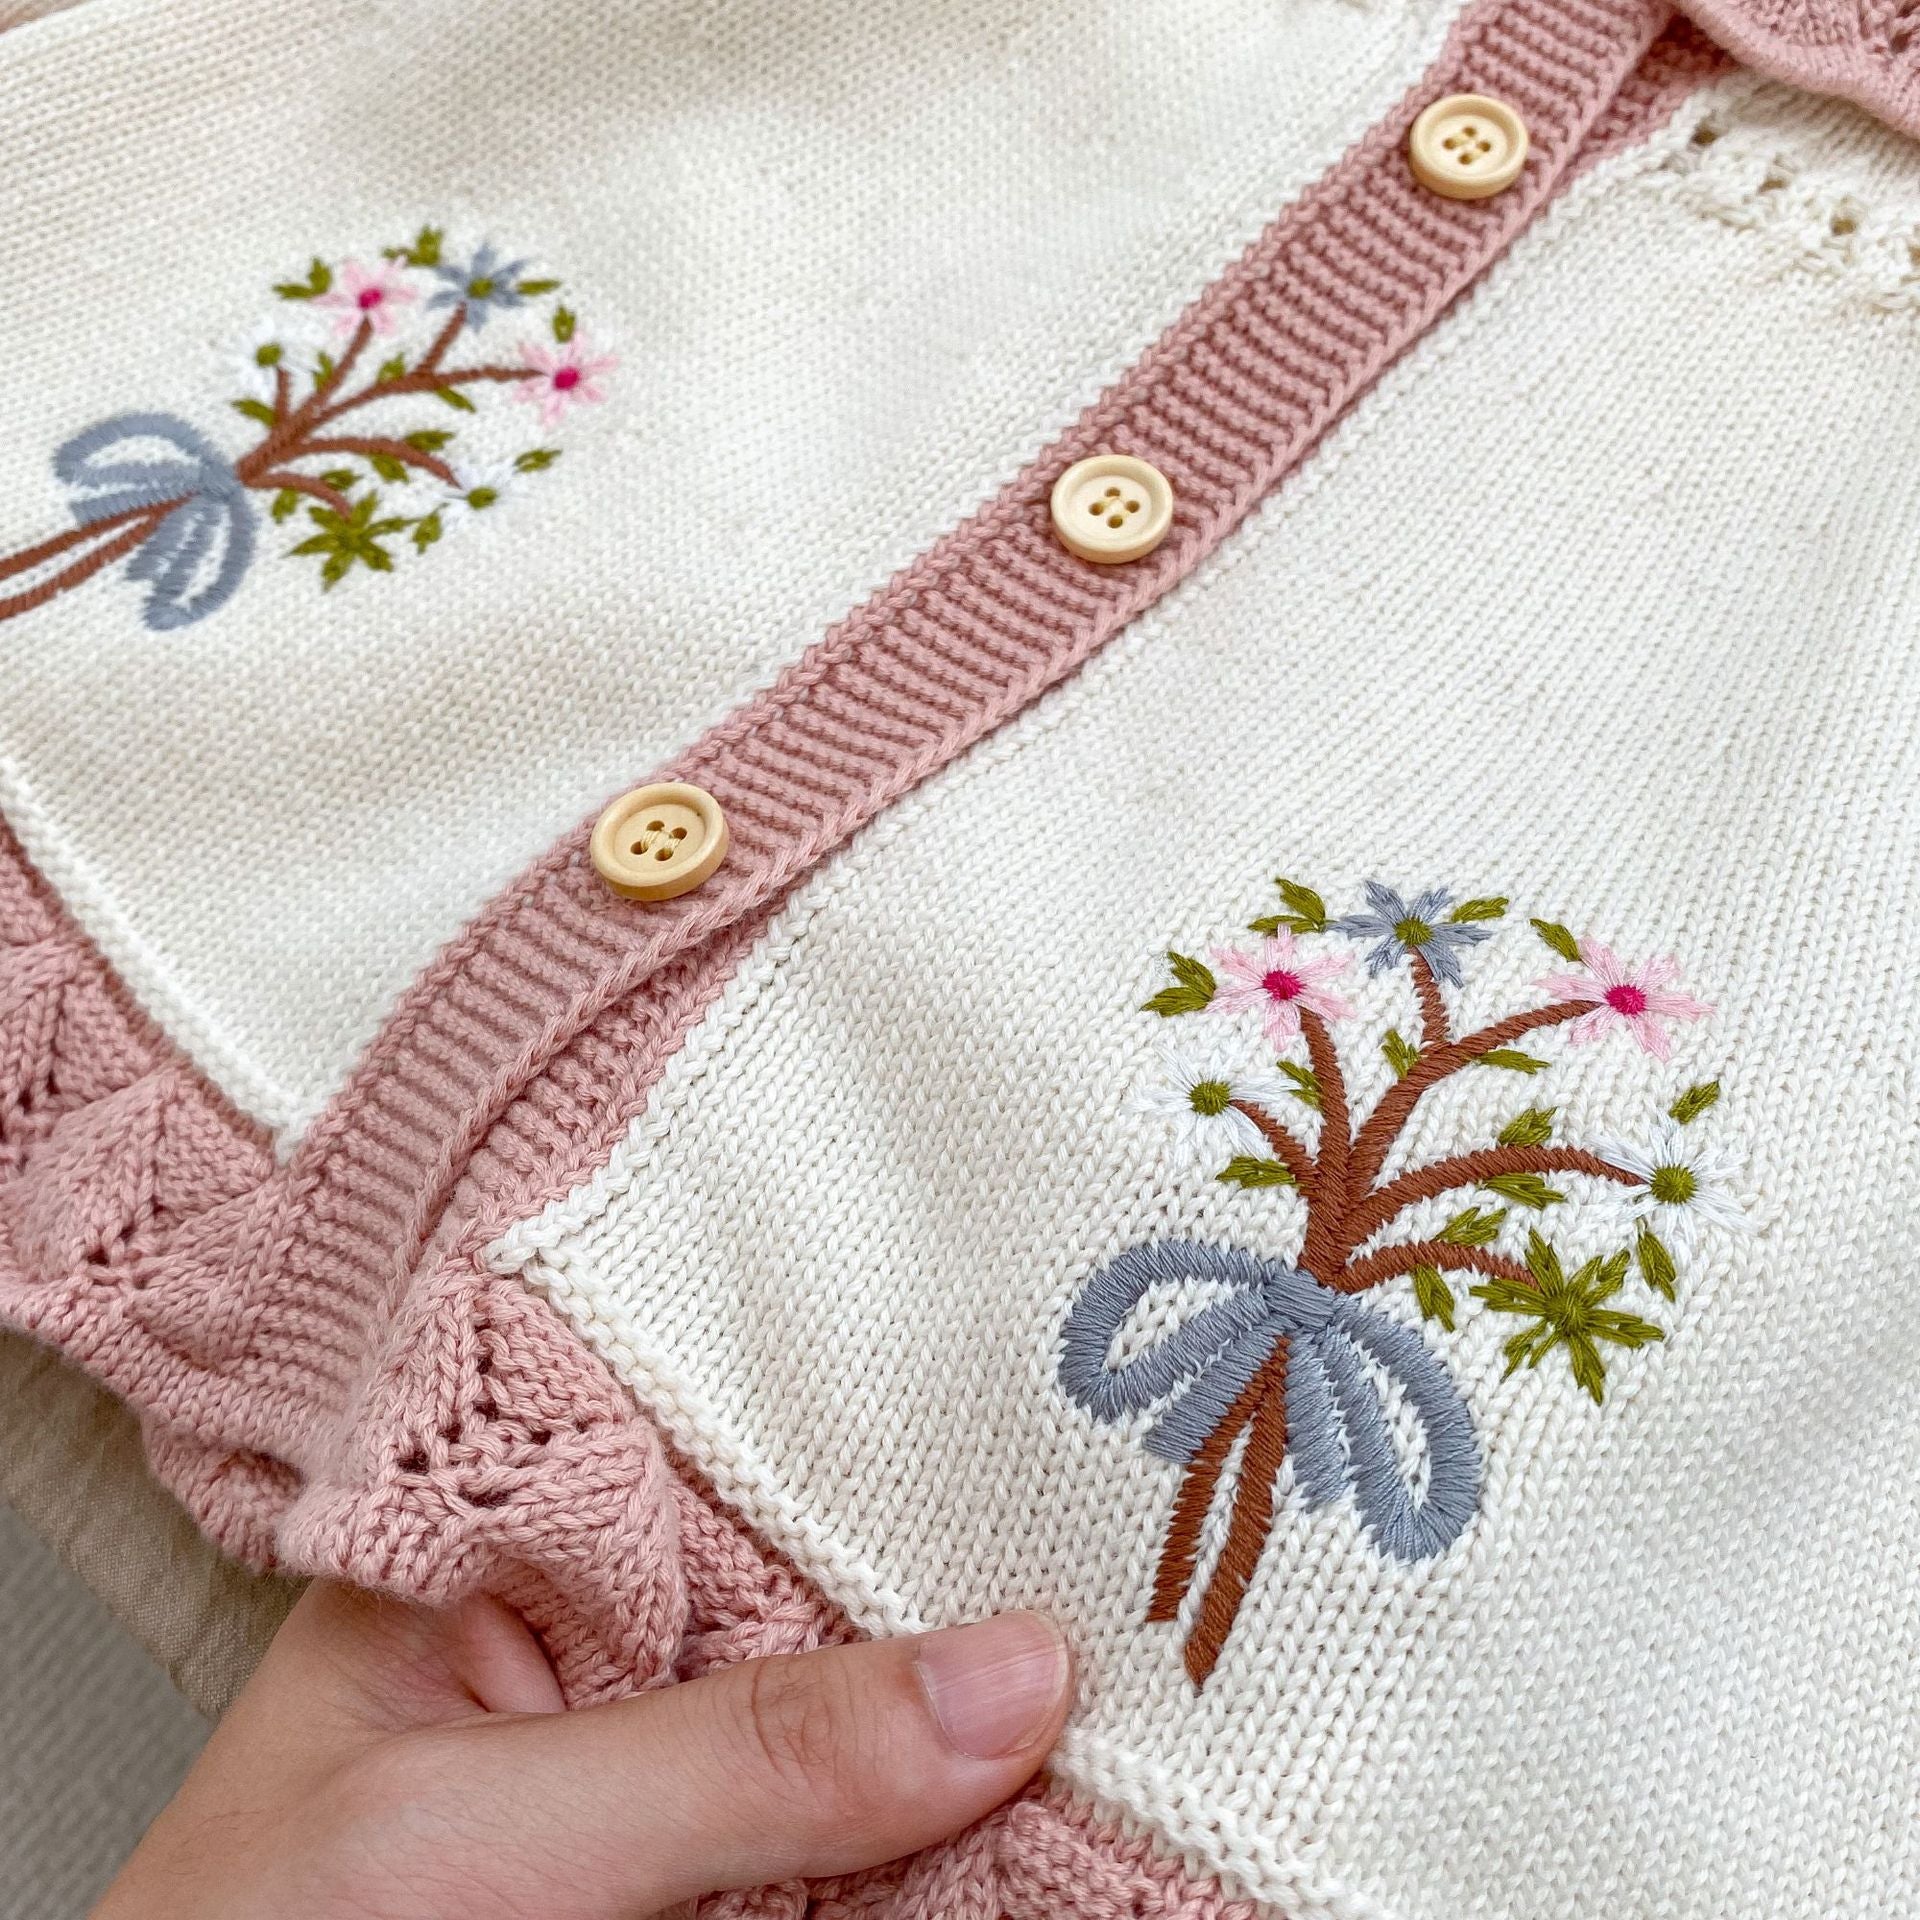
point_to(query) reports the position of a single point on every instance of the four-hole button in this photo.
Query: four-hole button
(1111, 508)
(659, 841)
(1468, 146)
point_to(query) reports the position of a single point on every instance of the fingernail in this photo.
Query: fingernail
(993, 1687)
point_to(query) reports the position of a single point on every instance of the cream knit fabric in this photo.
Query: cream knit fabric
(1603, 602)
(857, 263)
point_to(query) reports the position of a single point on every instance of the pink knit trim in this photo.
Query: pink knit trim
(328, 1374)
(1866, 51)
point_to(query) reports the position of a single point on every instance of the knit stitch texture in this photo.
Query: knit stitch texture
(333, 1373)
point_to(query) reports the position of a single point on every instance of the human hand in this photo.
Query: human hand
(389, 1763)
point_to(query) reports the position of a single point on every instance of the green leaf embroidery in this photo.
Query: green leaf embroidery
(532, 289)
(1476, 1227)
(1245, 1170)
(563, 324)
(340, 478)
(323, 368)
(1305, 1088)
(1478, 910)
(319, 280)
(1695, 1101)
(428, 439)
(1305, 911)
(256, 410)
(387, 467)
(1558, 938)
(1433, 1296)
(1400, 1051)
(425, 251)
(1655, 1262)
(391, 369)
(1513, 1060)
(350, 539)
(1568, 1311)
(426, 531)
(454, 398)
(284, 503)
(1533, 1128)
(1524, 1190)
(1193, 989)
(536, 459)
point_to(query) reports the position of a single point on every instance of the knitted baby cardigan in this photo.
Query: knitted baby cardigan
(1332, 1103)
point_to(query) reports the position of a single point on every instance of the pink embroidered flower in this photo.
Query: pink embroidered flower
(569, 376)
(373, 293)
(1276, 981)
(1637, 998)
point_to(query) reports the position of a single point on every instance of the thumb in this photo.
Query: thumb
(794, 1768)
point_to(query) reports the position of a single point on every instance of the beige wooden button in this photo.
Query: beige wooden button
(1112, 508)
(1468, 147)
(660, 841)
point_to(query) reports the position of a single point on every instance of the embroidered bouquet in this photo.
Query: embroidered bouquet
(336, 384)
(1285, 1361)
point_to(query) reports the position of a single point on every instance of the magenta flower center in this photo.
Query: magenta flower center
(1627, 998)
(567, 378)
(1282, 985)
(370, 297)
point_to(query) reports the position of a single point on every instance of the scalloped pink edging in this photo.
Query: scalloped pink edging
(326, 1372)
(1866, 51)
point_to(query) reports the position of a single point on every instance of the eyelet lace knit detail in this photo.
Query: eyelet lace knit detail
(1795, 194)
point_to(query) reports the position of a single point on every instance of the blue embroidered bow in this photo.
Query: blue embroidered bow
(1338, 1432)
(205, 542)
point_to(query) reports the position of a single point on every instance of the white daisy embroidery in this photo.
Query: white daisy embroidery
(1196, 1089)
(483, 485)
(1686, 1182)
(256, 357)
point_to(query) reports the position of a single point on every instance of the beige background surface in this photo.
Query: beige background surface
(109, 1595)
(92, 1738)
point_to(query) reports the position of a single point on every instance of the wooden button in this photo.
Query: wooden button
(1111, 508)
(1468, 147)
(660, 841)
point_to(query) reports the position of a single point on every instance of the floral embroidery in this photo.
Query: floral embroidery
(1404, 931)
(1283, 1362)
(485, 285)
(372, 296)
(1208, 1098)
(1277, 982)
(342, 445)
(1638, 998)
(564, 377)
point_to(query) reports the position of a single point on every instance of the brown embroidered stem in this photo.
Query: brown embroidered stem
(1467, 1170)
(1286, 1149)
(1390, 1262)
(1252, 1521)
(1181, 1549)
(443, 339)
(417, 383)
(135, 526)
(1435, 1029)
(1321, 1253)
(282, 391)
(305, 483)
(338, 377)
(1396, 1106)
(51, 549)
(393, 449)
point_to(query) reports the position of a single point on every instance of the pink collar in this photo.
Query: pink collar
(1866, 51)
